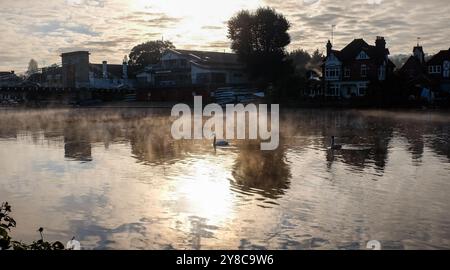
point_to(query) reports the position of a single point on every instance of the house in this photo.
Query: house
(46, 77)
(188, 68)
(78, 72)
(75, 69)
(415, 65)
(414, 75)
(107, 76)
(438, 68)
(8, 78)
(348, 72)
(52, 76)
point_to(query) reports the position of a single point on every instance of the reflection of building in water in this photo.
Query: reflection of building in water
(350, 129)
(77, 144)
(264, 172)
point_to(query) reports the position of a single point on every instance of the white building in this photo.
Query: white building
(185, 67)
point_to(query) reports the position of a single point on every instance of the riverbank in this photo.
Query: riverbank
(170, 104)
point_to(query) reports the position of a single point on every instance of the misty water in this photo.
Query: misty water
(116, 179)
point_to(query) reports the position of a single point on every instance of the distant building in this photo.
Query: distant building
(75, 69)
(414, 74)
(438, 68)
(78, 72)
(186, 68)
(348, 72)
(415, 65)
(52, 76)
(8, 78)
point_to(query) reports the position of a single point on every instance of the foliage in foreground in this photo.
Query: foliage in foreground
(6, 242)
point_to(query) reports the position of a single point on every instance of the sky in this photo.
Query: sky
(110, 28)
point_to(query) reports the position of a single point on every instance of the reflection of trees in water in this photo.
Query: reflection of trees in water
(264, 172)
(152, 142)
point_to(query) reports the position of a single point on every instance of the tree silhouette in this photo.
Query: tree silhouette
(148, 53)
(32, 67)
(260, 38)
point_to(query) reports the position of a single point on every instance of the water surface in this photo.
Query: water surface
(116, 180)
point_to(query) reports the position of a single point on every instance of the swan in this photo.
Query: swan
(220, 142)
(335, 146)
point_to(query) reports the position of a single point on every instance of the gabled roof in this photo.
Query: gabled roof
(440, 57)
(412, 63)
(351, 51)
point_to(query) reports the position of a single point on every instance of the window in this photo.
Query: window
(332, 73)
(434, 69)
(363, 71)
(362, 56)
(347, 72)
(362, 90)
(334, 90)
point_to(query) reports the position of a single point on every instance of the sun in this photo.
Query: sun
(196, 24)
(196, 12)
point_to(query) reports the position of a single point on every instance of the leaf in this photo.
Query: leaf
(3, 233)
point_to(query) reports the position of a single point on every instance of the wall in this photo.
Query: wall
(229, 74)
(75, 68)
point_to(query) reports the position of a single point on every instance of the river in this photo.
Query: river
(115, 179)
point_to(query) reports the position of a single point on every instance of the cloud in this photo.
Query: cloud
(62, 27)
(212, 27)
(400, 21)
(110, 28)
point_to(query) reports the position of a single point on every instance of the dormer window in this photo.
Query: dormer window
(362, 56)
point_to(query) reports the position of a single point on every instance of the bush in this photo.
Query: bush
(7, 222)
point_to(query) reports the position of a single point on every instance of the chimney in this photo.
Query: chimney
(329, 47)
(380, 43)
(105, 70)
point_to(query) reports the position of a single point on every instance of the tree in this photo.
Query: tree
(148, 53)
(32, 67)
(300, 59)
(259, 38)
(316, 60)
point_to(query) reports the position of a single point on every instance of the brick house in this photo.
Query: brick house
(348, 72)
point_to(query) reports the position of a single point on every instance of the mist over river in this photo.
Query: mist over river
(116, 179)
